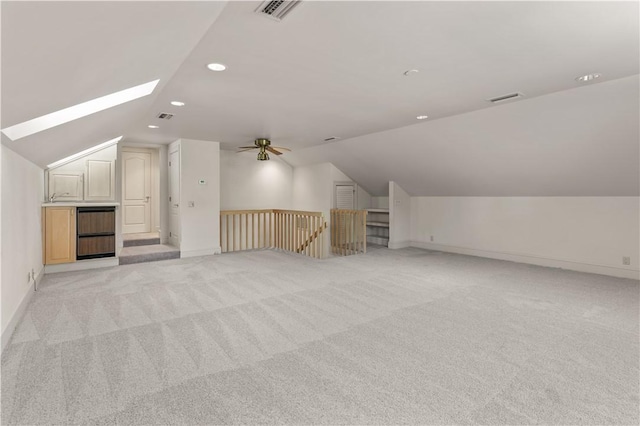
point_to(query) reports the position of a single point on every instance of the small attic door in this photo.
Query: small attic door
(345, 195)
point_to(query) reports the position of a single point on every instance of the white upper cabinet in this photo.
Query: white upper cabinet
(89, 178)
(66, 185)
(100, 181)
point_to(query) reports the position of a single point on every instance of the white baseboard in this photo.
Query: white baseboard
(204, 252)
(39, 278)
(82, 265)
(535, 260)
(17, 316)
(399, 244)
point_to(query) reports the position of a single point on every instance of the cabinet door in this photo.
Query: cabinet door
(60, 235)
(100, 182)
(66, 185)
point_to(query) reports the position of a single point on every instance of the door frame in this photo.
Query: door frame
(172, 238)
(336, 184)
(155, 184)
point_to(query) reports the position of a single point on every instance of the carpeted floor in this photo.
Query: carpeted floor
(404, 336)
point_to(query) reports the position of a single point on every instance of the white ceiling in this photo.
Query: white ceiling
(336, 69)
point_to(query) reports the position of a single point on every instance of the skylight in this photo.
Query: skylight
(78, 111)
(85, 152)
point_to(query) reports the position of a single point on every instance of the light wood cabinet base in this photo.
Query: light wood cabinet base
(59, 235)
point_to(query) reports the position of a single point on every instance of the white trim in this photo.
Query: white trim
(15, 319)
(82, 265)
(573, 265)
(204, 252)
(85, 153)
(399, 244)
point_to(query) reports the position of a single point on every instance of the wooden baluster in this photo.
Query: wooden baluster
(333, 231)
(290, 231)
(354, 249)
(227, 228)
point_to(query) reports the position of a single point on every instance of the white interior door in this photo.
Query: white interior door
(136, 192)
(174, 198)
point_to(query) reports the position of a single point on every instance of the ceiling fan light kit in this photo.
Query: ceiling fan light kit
(264, 145)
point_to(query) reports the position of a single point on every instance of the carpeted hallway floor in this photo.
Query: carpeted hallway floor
(404, 336)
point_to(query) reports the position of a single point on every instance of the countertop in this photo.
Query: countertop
(79, 204)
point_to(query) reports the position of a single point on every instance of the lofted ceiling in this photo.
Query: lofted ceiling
(336, 69)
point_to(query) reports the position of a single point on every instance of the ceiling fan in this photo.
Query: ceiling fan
(264, 145)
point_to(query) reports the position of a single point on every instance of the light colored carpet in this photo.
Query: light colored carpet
(394, 336)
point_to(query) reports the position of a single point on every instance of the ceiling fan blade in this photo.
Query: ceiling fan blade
(251, 147)
(268, 148)
(281, 148)
(247, 149)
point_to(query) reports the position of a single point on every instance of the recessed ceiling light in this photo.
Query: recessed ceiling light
(422, 117)
(78, 111)
(85, 152)
(177, 103)
(410, 72)
(153, 126)
(587, 77)
(217, 67)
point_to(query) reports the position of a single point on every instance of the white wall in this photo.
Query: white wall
(380, 202)
(399, 217)
(22, 195)
(246, 183)
(313, 191)
(363, 199)
(589, 234)
(313, 188)
(200, 225)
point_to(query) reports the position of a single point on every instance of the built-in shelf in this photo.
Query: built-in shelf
(378, 226)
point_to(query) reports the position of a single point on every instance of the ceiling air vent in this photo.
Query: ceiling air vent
(165, 116)
(503, 98)
(277, 9)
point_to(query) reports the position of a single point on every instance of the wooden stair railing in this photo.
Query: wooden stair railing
(290, 230)
(348, 231)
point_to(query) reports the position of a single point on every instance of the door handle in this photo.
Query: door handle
(175, 205)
